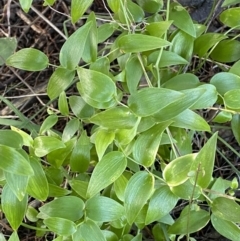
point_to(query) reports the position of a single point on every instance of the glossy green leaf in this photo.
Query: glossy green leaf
(115, 118)
(157, 29)
(106, 172)
(28, 59)
(190, 120)
(17, 183)
(151, 6)
(226, 228)
(222, 117)
(103, 139)
(45, 144)
(230, 2)
(13, 237)
(78, 8)
(59, 81)
(80, 108)
(182, 44)
(31, 214)
(80, 157)
(90, 49)
(38, 184)
(7, 48)
(113, 5)
(56, 191)
(187, 191)
(226, 51)
(88, 231)
(206, 41)
(230, 18)
(11, 139)
(227, 209)
(146, 146)
(151, 100)
(181, 19)
(133, 72)
(135, 43)
(225, 81)
(235, 124)
(69, 207)
(95, 85)
(13, 209)
(190, 222)
(25, 4)
(80, 187)
(105, 31)
(120, 185)
(48, 123)
(161, 203)
(60, 226)
(12, 161)
(63, 104)
(27, 139)
(109, 235)
(138, 191)
(103, 209)
(71, 51)
(235, 68)
(70, 129)
(176, 172)
(168, 58)
(232, 99)
(203, 164)
(135, 11)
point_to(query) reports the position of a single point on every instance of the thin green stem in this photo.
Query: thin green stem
(35, 228)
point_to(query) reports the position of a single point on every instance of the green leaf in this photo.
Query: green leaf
(115, 118)
(176, 172)
(25, 4)
(161, 203)
(109, 235)
(206, 41)
(56, 191)
(190, 120)
(80, 157)
(90, 49)
(11, 139)
(225, 81)
(105, 31)
(103, 209)
(143, 103)
(227, 209)
(27, 139)
(235, 68)
(219, 186)
(103, 139)
(78, 8)
(69, 207)
(17, 183)
(71, 51)
(28, 59)
(80, 108)
(7, 48)
(138, 191)
(181, 19)
(13, 237)
(146, 146)
(95, 85)
(151, 6)
(59, 81)
(88, 231)
(45, 144)
(232, 99)
(190, 222)
(157, 29)
(13, 209)
(182, 44)
(222, 117)
(203, 164)
(229, 2)
(70, 129)
(63, 104)
(12, 161)
(230, 18)
(106, 172)
(48, 123)
(60, 226)
(31, 214)
(80, 187)
(38, 184)
(135, 43)
(235, 124)
(226, 228)
(226, 51)
(120, 185)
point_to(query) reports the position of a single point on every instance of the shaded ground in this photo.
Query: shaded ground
(27, 90)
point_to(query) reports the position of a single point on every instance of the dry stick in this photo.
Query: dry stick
(8, 17)
(48, 22)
